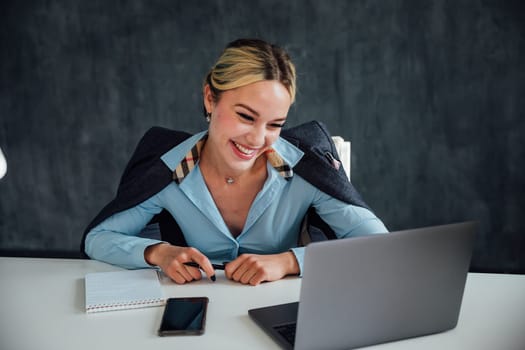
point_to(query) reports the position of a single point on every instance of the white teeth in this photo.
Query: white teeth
(243, 149)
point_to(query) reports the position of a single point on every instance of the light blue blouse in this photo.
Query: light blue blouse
(272, 225)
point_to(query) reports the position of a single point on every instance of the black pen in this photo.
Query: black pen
(215, 266)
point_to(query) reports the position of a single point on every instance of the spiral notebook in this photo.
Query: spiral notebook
(120, 290)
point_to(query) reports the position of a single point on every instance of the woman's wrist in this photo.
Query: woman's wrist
(292, 265)
(152, 253)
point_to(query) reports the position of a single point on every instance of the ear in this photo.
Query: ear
(208, 98)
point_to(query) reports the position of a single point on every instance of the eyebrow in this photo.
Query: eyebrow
(248, 108)
(255, 112)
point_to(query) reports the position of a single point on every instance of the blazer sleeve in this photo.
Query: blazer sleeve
(144, 176)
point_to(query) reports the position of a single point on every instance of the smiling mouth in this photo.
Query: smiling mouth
(243, 150)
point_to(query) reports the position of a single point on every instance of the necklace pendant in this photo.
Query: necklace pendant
(229, 180)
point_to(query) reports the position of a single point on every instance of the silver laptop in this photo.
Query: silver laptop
(368, 290)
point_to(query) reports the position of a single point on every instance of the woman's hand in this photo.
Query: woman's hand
(254, 269)
(171, 260)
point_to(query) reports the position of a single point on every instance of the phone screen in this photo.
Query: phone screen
(184, 316)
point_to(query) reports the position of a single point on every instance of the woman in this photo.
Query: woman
(237, 192)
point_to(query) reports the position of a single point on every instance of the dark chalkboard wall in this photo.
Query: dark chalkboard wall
(431, 94)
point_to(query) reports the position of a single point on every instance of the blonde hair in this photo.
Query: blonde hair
(246, 61)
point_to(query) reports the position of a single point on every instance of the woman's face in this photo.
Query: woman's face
(245, 122)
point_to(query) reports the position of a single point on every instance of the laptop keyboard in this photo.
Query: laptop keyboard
(287, 331)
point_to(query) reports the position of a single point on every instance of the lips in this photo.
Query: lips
(242, 151)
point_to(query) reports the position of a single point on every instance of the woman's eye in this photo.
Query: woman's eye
(276, 125)
(246, 117)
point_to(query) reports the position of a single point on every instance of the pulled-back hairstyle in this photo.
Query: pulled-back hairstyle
(246, 61)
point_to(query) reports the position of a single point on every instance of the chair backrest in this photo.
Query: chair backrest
(344, 150)
(3, 164)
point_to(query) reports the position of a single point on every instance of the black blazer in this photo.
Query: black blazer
(146, 174)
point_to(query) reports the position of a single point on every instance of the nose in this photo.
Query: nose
(256, 136)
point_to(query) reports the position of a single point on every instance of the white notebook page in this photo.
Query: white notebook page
(127, 289)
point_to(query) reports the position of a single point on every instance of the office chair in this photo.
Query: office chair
(344, 151)
(3, 164)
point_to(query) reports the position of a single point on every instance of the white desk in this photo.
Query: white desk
(42, 307)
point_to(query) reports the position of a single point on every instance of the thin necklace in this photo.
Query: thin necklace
(230, 180)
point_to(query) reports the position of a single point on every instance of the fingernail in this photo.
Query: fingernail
(213, 278)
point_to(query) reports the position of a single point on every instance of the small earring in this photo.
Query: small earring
(208, 117)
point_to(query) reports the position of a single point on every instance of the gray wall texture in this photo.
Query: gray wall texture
(429, 92)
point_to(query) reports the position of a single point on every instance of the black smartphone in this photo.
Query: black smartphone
(184, 316)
